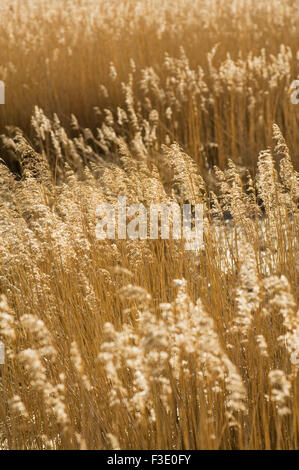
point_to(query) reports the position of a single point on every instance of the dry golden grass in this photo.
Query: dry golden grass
(139, 344)
(217, 72)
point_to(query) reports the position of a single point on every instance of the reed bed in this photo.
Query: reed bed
(140, 344)
(218, 73)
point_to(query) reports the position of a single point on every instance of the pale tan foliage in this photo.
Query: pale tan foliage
(140, 344)
(104, 350)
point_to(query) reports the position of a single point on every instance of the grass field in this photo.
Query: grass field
(140, 343)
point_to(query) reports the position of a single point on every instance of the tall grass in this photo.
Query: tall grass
(140, 344)
(217, 72)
